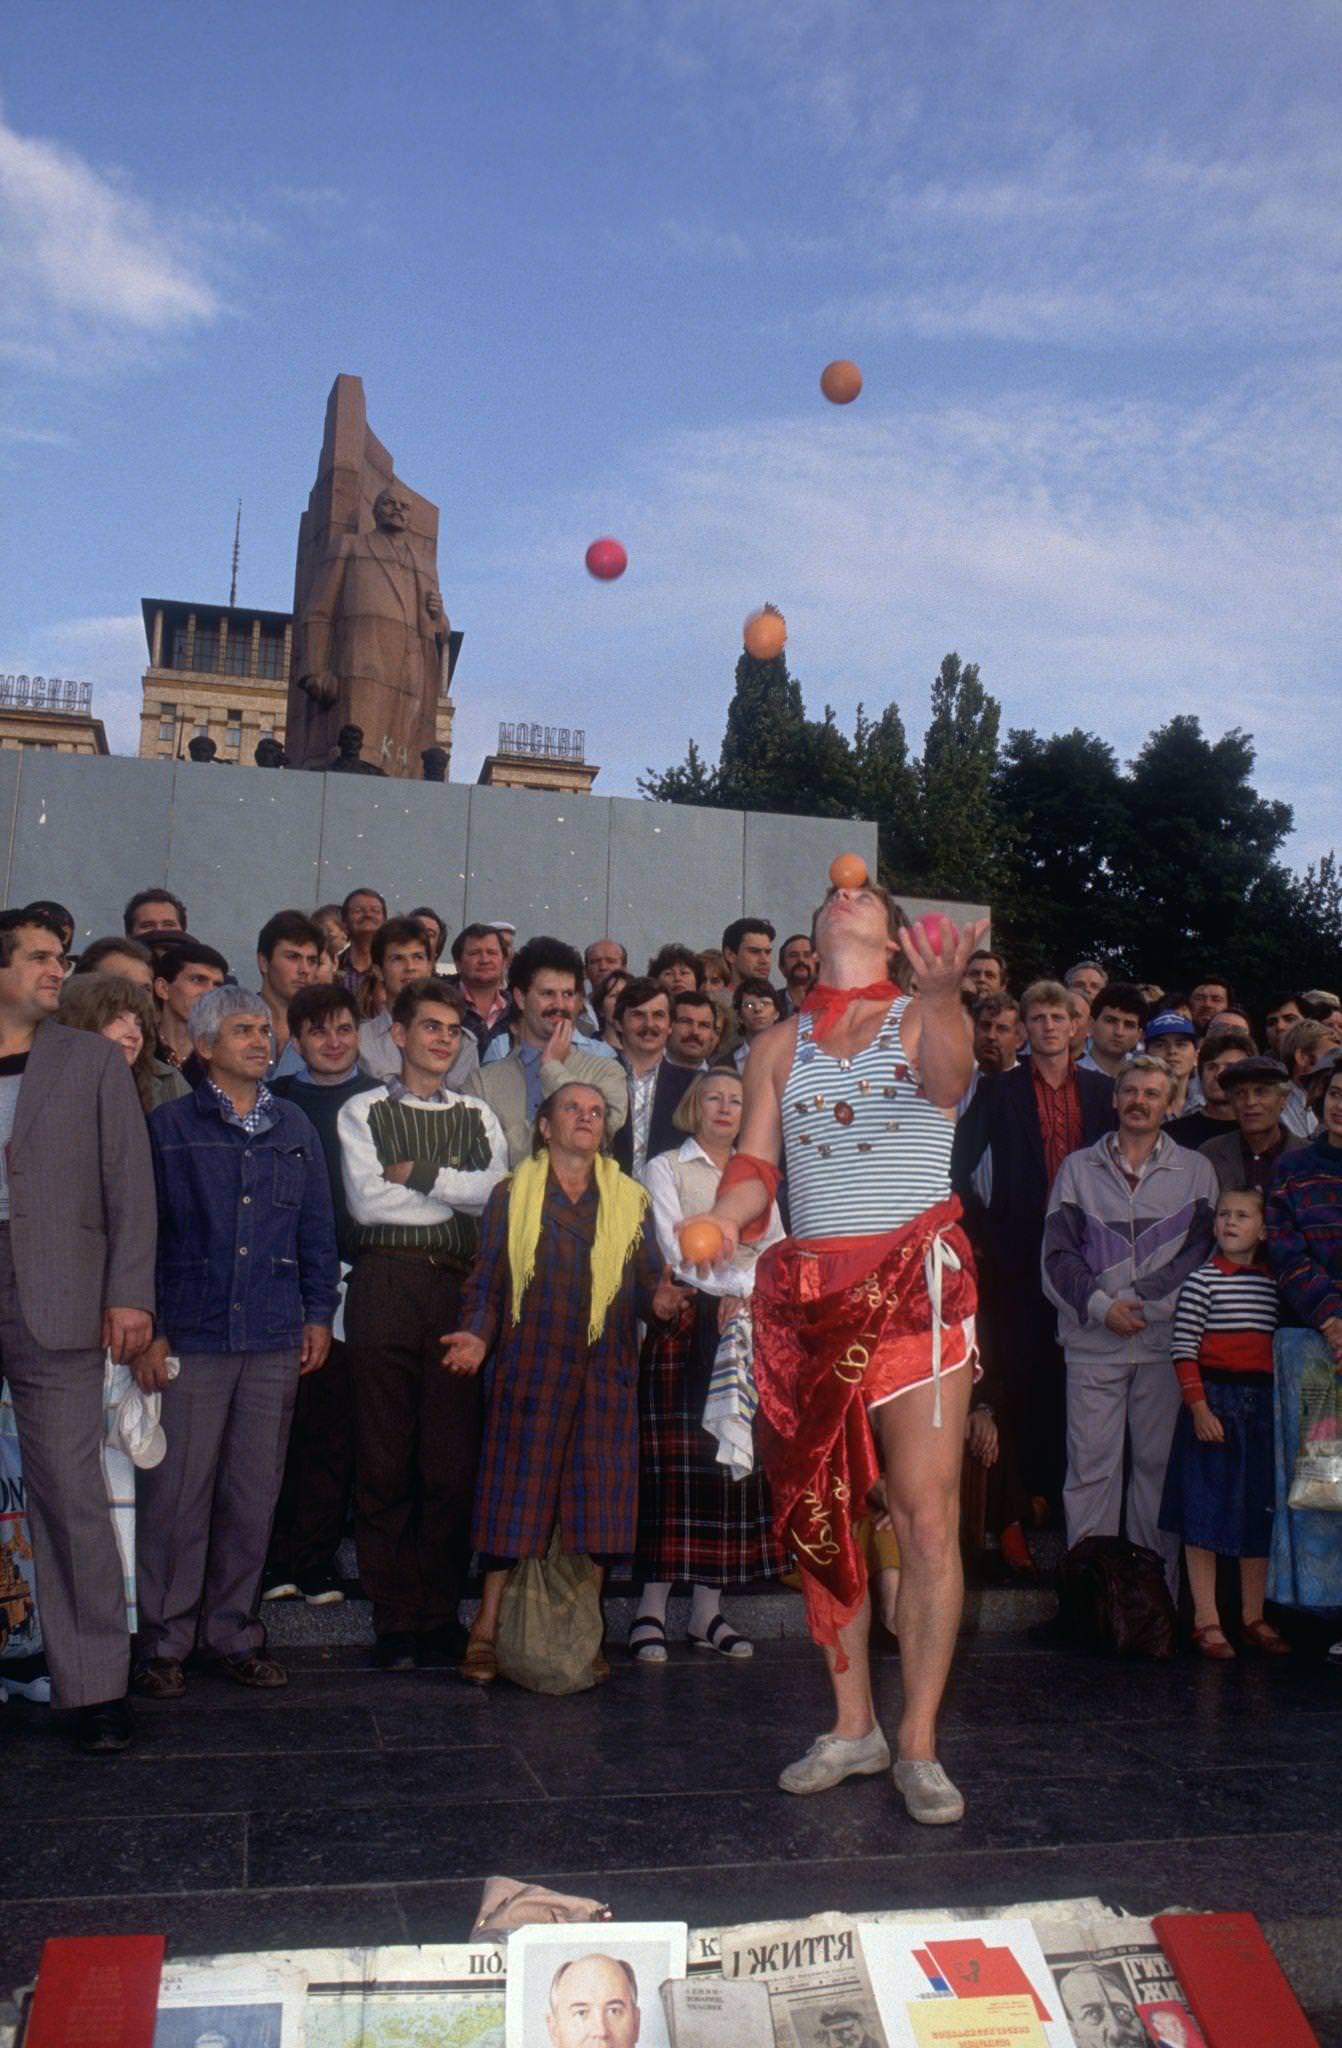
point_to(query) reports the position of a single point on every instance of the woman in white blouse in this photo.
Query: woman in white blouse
(699, 1524)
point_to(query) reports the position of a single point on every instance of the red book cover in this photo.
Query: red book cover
(1235, 1985)
(973, 1970)
(96, 1991)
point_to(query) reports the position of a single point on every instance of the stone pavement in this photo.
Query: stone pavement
(362, 1807)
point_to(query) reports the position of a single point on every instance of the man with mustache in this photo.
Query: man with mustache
(545, 977)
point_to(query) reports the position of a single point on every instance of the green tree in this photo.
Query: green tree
(693, 782)
(762, 745)
(887, 787)
(1066, 802)
(1197, 870)
(962, 841)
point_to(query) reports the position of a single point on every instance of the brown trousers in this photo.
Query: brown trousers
(417, 1440)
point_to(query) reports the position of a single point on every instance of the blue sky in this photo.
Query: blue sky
(589, 261)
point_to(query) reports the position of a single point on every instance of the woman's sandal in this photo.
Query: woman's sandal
(719, 1637)
(647, 1640)
(1209, 1641)
(1261, 1636)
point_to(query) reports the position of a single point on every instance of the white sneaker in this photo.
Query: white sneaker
(927, 1792)
(832, 1758)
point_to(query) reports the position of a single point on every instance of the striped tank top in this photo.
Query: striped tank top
(865, 1151)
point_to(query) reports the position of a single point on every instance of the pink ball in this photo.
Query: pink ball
(606, 559)
(929, 933)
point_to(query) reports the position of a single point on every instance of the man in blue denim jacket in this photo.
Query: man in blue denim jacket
(247, 1278)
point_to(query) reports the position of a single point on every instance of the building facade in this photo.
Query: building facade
(550, 757)
(48, 714)
(221, 670)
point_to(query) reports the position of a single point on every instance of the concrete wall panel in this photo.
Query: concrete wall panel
(244, 844)
(239, 844)
(675, 873)
(407, 839)
(540, 860)
(88, 832)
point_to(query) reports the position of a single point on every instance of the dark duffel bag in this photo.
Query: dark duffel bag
(1113, 1599)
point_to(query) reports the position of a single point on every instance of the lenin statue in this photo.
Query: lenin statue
(371, 643)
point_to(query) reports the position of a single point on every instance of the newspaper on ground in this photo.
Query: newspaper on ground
(441, 1995)
(599, 1982)
(1113, 1974)
(963, 1967)
(253, 2001)
(717, 2012)
(816, 1976)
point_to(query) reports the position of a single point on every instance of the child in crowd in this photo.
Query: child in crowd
(1218, 1490)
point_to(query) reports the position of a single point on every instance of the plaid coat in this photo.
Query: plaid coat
(561, 1416)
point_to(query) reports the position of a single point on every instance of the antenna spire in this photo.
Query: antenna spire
(237, 542)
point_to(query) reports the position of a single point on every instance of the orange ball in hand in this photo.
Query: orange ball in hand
(841, 381)
(848, 871)
(765, 634)
(701, 1242)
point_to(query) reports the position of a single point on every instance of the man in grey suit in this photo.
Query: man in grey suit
(77, 1240)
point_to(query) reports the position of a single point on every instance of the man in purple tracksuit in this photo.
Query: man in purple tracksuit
(1129, 1219)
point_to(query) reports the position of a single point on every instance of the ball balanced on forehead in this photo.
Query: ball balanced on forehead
(848, 871)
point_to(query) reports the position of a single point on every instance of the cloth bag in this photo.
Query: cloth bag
(510, 1903)
(550, 1624)
(1317, 1479)
(1113, 1599)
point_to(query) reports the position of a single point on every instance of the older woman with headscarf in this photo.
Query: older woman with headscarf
(566, 1269)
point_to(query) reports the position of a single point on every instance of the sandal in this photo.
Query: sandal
(1261, 1636)
(719, 1637)
(647, 1640)
(1210, 1642)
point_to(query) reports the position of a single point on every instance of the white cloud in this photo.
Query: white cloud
(86, 262)
(1108, 563)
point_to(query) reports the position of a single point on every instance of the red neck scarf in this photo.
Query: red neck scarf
(827, 1005)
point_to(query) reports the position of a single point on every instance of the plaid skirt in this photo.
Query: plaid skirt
(696, 1524)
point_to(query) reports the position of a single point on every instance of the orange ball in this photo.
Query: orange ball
(848, 871)
(701, 1242)
(841, 381)
(765, 634)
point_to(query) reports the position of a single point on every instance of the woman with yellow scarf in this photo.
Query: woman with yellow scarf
(566, 1269)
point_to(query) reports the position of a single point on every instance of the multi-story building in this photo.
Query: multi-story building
(223, 670)
(49, 714)
(549, 757)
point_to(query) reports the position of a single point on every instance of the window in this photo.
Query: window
(167, 721)
(270, 655)
(205, 653)
(238, 651)
(233, 730)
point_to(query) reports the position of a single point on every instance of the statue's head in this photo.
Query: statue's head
(349, 740)
(201, 747)
(435, 764)
(269, 753)
(391, 509)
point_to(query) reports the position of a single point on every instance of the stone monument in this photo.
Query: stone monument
(371, 642)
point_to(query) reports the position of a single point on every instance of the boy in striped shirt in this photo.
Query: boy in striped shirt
(1219, 1487)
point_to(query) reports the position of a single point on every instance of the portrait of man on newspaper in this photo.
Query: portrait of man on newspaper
(1099, 2009)
(843, 2026)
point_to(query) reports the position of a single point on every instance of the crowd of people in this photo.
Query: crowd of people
(391, 1223)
